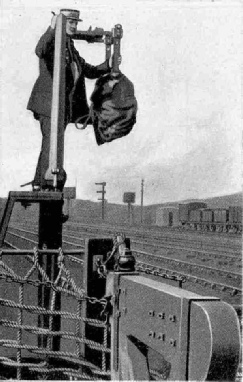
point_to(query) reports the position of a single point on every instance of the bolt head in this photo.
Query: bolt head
(161, 337)
(151, 334)
(172, 342)
(172, 317)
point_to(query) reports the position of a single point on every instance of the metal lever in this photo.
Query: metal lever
(108, 43)
(109, 38)
(117, 35)
(91, 36)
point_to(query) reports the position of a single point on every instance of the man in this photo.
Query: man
(76, 105)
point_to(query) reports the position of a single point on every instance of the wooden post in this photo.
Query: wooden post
(55, 170)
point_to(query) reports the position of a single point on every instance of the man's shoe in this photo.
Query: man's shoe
(35, 186)
(27, 184)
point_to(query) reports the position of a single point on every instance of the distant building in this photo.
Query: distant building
(167, 216)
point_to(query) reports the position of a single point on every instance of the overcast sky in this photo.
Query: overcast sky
(184, 58)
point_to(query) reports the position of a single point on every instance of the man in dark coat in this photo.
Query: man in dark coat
(76, 105)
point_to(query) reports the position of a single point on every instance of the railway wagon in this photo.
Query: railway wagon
(201, 219)
(213, 220)
(228, 220)
(235, 214)
(186, 209)
(235, 219)
(195, 218)
(207, 219)
(167, 216)
(221, 217)
(207, 215)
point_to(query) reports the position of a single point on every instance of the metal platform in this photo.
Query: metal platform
(26, 198)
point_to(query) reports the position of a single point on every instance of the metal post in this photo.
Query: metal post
(103, 209)
(142, 186)
(103, 203)
(55, 170)
(117, 35)
(130, 213)
(50, 237)
(103, 184)
(50, 214)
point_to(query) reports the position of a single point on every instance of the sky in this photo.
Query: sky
(184, 59)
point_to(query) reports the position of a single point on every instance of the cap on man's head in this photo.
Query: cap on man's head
(71, 14)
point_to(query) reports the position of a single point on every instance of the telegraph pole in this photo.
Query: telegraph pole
(142, 188)
(102, 184)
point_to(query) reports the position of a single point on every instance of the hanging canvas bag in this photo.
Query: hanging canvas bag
(113, 107)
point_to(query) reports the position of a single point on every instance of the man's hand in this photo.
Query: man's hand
(111, 61)
(53, 21)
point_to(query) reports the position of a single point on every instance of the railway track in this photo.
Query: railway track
(230, 262)
(194, 239)
(222, 282)
(182, 253)
(224, 248)
(205, 242)
(175, 243)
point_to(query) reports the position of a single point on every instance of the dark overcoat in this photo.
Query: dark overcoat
(76, 100)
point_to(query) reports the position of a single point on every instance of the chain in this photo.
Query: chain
(158, 272)
(102, 266)
(169, 274)
(67, 284)
(105, 302)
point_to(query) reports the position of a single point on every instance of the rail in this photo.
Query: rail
(226, 284)
(158, 236)
(159, 245)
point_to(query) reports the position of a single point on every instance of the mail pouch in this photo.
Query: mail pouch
(113, 107)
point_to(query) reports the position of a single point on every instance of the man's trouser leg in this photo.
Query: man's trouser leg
(43, 161)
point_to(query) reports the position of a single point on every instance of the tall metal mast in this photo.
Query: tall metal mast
(142, 187)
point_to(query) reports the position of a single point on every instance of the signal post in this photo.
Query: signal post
(102, 192)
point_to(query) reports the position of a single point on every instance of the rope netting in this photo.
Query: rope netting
(43, 321)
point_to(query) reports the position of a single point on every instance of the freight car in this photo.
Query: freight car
(187, 212)
(198, 217)
(167, 216)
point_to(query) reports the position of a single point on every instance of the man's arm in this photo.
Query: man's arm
(92, 72)
(46, 42)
